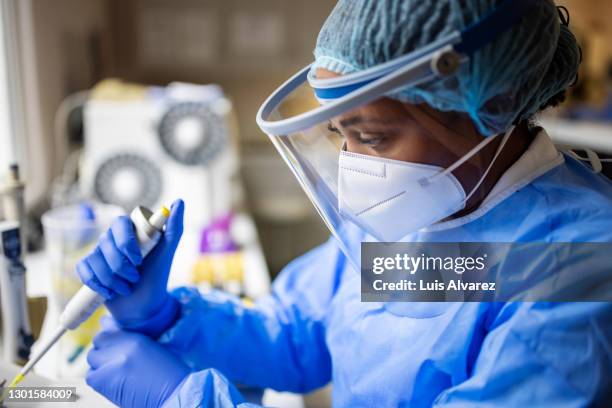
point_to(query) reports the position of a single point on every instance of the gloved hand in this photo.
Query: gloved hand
(135, 289)
(131, 369)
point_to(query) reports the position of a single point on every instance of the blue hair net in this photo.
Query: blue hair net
(510, 79)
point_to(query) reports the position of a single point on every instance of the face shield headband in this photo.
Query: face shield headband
(347, 92)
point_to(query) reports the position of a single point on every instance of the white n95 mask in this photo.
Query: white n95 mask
(390, 199)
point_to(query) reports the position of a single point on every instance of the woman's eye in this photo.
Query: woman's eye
(370, 140)
(334, 129)
(367, 139)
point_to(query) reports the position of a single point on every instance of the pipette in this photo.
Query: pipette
(148, 227)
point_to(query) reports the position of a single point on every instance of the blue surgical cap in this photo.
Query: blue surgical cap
(508, 80)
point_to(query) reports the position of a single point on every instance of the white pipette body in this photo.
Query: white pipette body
(148, 227)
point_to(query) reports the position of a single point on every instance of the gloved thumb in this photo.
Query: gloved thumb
(174, 225)
(172, 235)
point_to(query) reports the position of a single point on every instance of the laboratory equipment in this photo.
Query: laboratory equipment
(16, 331)
(13, 202)
(148, 227)
(136, 288)
(150, 146)
(221, 262)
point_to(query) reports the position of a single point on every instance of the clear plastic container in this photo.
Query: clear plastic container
(71, 232)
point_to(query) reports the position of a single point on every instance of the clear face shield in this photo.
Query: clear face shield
(363, 195)
(378, 170)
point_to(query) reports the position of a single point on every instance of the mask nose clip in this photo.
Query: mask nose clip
(424, 182)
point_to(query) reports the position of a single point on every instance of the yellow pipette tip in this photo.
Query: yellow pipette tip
(165, 211)
(18, 378)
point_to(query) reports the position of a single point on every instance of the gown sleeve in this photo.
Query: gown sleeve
(277, 343)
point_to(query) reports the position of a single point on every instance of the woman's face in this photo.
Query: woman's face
(414, 133)
(400, 131)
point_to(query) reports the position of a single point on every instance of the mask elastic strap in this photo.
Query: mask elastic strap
(592, 157)
(469, 155)
(497, 153)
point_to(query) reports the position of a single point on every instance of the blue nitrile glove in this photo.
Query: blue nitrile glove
(131, 369)
(135, 289)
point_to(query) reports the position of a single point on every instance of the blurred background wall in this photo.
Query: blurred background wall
(590, 20)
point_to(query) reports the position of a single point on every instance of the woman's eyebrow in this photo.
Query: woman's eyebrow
(358, 119)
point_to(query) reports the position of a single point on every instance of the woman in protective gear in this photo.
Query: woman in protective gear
(414, 124)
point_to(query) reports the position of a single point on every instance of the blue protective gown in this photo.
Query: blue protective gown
(313, 328)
